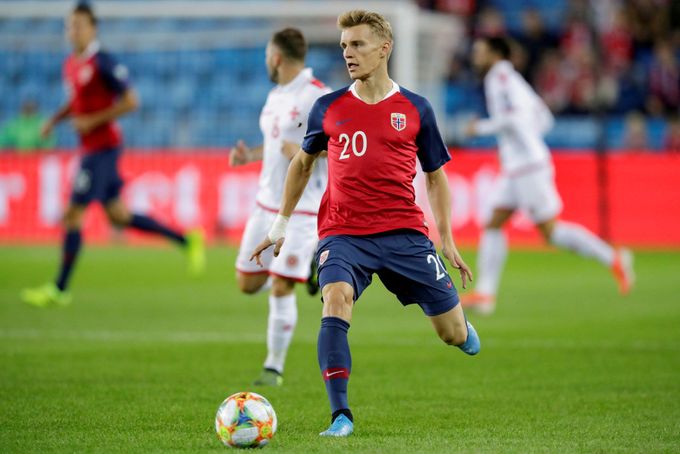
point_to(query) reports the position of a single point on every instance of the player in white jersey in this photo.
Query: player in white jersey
(519, 119)
(283, 122)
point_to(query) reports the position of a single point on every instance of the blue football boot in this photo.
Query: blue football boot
(471, 346)
(341, 427)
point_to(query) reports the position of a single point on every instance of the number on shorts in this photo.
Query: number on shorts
(440, 269)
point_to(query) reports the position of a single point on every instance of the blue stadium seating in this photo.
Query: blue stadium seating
(211, 98)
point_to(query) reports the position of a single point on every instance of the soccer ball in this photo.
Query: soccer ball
(245, 420)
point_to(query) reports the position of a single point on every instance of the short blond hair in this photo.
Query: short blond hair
(375, 21)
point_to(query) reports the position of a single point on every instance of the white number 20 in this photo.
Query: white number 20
(346, 139)
(440, 269)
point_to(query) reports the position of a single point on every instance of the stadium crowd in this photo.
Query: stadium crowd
(617, 55)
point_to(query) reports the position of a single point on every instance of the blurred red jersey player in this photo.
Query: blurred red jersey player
(98, 93)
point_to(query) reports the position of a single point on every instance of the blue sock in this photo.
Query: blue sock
(70, 249)
(335, 362)
(148, 224)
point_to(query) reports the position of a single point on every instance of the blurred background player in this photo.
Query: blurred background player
(283, 123)
(520, 119)
(99, 93)
(373, 132)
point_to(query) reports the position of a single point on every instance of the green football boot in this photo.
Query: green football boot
(45, 296)
(195, 250)
(269, 377)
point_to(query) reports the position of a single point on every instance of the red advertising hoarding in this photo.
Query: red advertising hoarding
(200, 189)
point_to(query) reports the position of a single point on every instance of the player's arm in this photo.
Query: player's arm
(501, 118)
(440, 201)
(299, 172)
(60, 115)
(126, 103)
(242, 154)
(433, 154)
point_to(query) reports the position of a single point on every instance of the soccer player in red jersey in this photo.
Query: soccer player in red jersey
(99, 93)
(373, 131)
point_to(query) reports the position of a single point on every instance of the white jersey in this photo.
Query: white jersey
(518, 117)
(284, 119)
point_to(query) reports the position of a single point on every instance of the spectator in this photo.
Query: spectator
(490, 22)
(580, 72)
(551, 83)
(635, 135)
(617, 42)
(535, 39)
(672, 139)
(24, 132)
(664, 81)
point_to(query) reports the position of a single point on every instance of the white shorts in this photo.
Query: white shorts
(533, 192)
(296, 254)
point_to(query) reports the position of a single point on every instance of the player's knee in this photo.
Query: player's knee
(338, 300)
(118, 218)
(546, 229)
(453, 337)
(282, 286)
(72, 218)
(248, 285)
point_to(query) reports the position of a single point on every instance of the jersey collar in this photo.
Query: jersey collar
(90, 50)
(395, 89)
(303, 77)
(499, 66)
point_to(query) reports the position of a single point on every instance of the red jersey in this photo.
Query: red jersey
(372, 151)
(93, 82)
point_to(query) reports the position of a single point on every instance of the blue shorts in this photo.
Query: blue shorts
(97, 178)
(406, 262)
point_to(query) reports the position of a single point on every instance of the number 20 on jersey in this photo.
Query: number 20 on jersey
(357, 142)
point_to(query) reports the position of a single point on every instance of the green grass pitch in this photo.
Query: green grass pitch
(143, 357)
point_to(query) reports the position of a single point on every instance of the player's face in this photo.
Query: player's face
(80, 30)
(364, 52)
(272, 59)
(481, 57)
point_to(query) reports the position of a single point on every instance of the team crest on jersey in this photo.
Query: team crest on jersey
(398, 121)
(323, 257)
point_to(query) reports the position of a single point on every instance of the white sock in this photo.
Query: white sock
(580, 240)
(282, 321)
(493, 250)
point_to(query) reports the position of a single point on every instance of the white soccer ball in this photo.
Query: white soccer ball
(245, 420)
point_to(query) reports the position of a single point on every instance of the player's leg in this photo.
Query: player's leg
(491, 257)
(289, 267)
(346, 267)
(281, 324)
(335, 360)
(453, 328)
(192, 242)
(87, 186)
(541, 200)
(56, 292)
(493, 249)
(250, 277)
(416, 274)
(576, 238)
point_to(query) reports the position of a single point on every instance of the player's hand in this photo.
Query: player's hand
(239, 154)
(46, 129)
(84, 123)
(263, 246)
(454, 258)
(470, 128)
